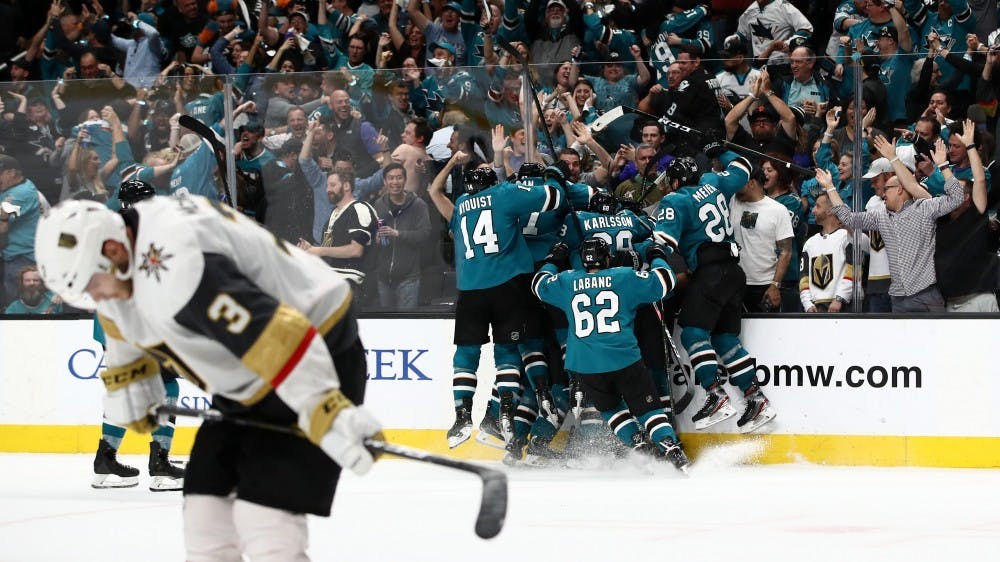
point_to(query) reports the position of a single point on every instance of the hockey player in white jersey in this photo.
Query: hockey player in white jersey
(268, 329)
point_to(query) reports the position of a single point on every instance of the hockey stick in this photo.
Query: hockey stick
(608, 117)
(217, 144)
(505, 45)
(685, 399)
(736, 147)
(670, 347)
(492, 508)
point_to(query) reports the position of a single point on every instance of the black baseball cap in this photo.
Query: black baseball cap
(889, 31)
(732, 48)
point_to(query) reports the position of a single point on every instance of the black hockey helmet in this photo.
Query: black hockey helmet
(132, 191)
(603, 202)
(530, 170)
(683, 169)
(595, 252)
(479, 179)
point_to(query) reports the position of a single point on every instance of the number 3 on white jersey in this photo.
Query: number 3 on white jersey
(482, 235)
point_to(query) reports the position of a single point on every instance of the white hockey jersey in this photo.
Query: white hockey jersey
(227, 305)
(827, 268)
(777, 20)
(879, 277)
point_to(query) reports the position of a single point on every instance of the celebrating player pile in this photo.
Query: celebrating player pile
(607, 347)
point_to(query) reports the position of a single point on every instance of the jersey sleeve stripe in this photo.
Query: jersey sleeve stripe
(664, 238)
(552, 198)
(742, 163)
(280, 345)
(666, 278)
(293, 361)
(540, 278)
(110, 328)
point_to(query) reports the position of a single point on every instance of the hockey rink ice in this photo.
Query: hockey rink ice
(407, 511)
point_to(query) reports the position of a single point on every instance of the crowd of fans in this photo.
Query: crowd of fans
(341, 113)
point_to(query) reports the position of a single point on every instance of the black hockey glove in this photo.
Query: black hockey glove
(558, 256)
(630, 205)
(714, 149)
(655, 251)
(627, 258)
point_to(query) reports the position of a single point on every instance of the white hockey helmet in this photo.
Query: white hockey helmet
(69, 246)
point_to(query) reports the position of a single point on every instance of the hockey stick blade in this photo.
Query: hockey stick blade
(202, 130)
(218, 144)
(606, 119)
(683, 401)
(492, 508)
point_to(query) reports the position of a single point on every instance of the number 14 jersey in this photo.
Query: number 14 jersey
(489, 246)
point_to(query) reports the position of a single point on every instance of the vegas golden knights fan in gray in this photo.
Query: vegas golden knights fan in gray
(268, 329)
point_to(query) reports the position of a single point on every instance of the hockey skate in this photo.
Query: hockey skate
(576, 398)
(674, 453)
(515, 451)
(109, 473)
(758, 412)
(165, 476)
(489, 432)
(716, 409)
(461, 431)
(642, 447)
(539, 453)
(547, 408)
(507, 416)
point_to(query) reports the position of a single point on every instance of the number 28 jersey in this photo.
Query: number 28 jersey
(694, 215)
(489, 246)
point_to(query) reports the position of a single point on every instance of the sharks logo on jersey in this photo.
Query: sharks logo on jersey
(761, 30)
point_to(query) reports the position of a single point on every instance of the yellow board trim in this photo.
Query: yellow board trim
(276, 344)
(844, 450)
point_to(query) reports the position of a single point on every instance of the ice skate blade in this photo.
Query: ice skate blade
(102, 481)
(489, 440)
(722, 414)
(461, 437)
(166, 484)
(512, 460)
(765, 417)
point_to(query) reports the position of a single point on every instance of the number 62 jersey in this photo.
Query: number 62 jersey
(600, 307)
(698, 214)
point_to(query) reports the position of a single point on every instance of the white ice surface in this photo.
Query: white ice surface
(406, 511)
